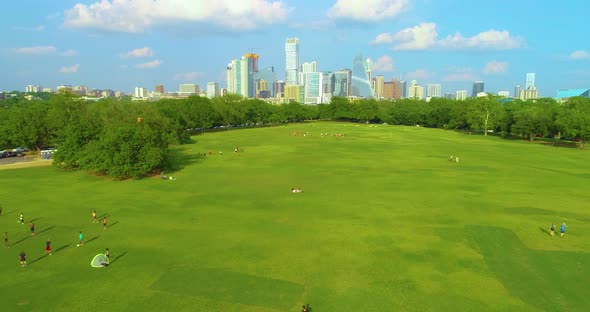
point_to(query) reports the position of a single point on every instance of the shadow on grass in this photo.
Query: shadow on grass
(180, 157)
(118, 257)
(29, 236)
(92, 239)
(512, 137)
(7, 213)
(35, 219)
(45, 230)
(103, 215)
(62, 248)
(544, 231)
(112, 224)
(43, 256)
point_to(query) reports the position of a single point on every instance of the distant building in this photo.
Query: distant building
(212, 89)
(188, 88)
(565, 94)
(140, 92)
(342, 83)
(279, 89)
(461, 95)
(530, 81)
(33, 89)
(361, 85)
(433, 90)
(478, 87)
(292, 61)
(504, 93)
(328, 85)
(403, 85)
(450, 96)
(268, 74)
(379, 82)
(48, 90)
(313, 88)
(294, 93)
(517, 90)
(415, 91)
(67, 88)
(392, 90)
(159, 89)
(529, 94)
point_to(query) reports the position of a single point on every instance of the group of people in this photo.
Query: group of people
(23, 256)
(454, 158)
(561, 229)
(298, 190)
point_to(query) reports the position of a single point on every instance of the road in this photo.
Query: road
(15, 160)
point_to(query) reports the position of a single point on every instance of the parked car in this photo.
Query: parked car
(20, 150)
(3, 154)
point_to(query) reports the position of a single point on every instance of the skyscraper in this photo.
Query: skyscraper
(212, 89)
(188, 88)
(307, 67)
(328, 84)
(392, 90)
(530, 81)
(415, 91)
(250, 74)
(379, 82)
(342, 83)
(517, 90)
(403, 85)
(279, 88)
(268, 74)
(478, 87)
(292, 61)
(369, 70)
(361, 85)
(433, 90)
(313, 88)
(461, 95)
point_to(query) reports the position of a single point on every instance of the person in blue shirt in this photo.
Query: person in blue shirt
(562, 228)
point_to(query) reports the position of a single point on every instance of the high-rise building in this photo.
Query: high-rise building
(212, 89)
(268, 74)
(403, 85)
(342, 83)
(415, 91)
(188, 88)
(530, 81)
(379, 82)
(392, 90)
(328, 85)
(478, 87)
(449, 96)
(66, 88)
(32, 88)
(279, 88)
(240, 75)
(294, 93)
(529, 94)
(433, 90)
(313, 88)
(361, 86)
(517, 90)
(48, 90)
(307, 67)
(461, 95)
(159, 89)
(140, 92)
(250, 73)
(369, 70)
(292, 61)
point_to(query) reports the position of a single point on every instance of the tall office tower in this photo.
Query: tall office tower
(279, 88)
(461, 95)
(517, 90)
(403, 85)
(530, 81)
(313, 88)
(212, 89)
(369, 70)
(415, 91)
(262, 89)
(328, 84)
(240, 75)
(159, 89)
(294, 93)
(433, 90)
(251, 73)
(379, 82)
(342, 84)
(32, 88)
(449, 96)
(231, 77)
(478, 87)
(140, 92)
(292, 61)
(307, 67)
(188, 88)
(389, 89)
(268, 74)
(361, 85)
(529, 94)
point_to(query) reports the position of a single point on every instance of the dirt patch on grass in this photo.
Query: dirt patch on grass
(27, 164)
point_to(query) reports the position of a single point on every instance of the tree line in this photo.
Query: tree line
(123, 138)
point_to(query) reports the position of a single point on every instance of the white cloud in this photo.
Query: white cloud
(419, 74)
(140, 52)
(69, 53)
(69, 69)
(460, 75)
(191, 76)
(424, 36)
(495, 67)
(384, 64)
(580, 55)
(382, 39)
(135, 16)
(367, 10)
(149, 65)
(38, 50)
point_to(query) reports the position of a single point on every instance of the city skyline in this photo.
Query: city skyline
(105, 45)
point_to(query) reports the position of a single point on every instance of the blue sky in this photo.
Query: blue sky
(120, 44)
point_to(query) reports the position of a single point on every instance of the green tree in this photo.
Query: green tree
(484, 113)
(574, 119)
(531, 121)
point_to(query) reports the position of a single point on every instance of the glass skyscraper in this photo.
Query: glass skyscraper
(361, 86)
(292, 61)
(478, 86)
(342, 81)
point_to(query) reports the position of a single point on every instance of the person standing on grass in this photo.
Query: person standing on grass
(562, 229)
(22, 218)
(48, 247)
(81, 239)
(104, 222)
(23, 258)
(107, 254)
(6, 239)
(32, 227)
(94, 216)
(552, 229)
(0, 210)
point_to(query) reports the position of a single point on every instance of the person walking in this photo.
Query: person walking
(48, 247)
(81, 239)
(22, 218)
(552, 229)
(23, 258)
(6, 239)
(107, 254)
(32, 227)
(104, 223)
(94, 217)
(562, 229)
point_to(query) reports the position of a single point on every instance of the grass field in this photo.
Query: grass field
(385, 223)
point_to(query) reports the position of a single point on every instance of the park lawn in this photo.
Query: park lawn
(385, 223)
